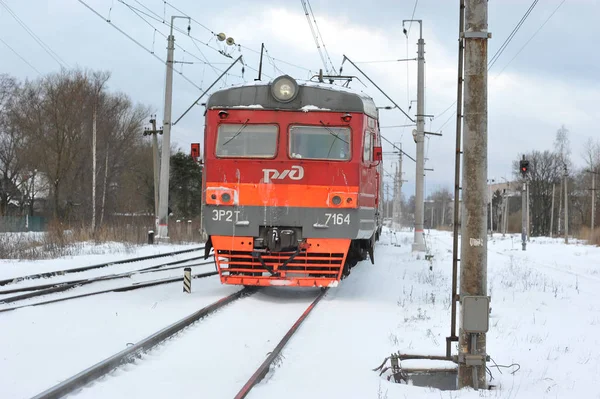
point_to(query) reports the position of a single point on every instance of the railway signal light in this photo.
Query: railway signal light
(524, 167)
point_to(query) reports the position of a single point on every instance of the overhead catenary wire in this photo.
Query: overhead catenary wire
(499, 52)
(214, 34)
(157, 18)
(137, 42)
(20, 56)
(35, 37)
(320, 36)
(531, 38)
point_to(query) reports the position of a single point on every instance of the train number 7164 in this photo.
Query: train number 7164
(337, 218)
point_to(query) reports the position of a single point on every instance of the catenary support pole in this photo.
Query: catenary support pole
(524, 217)
(163, 199)
(94, 120)
(552, 212)
(566, 207)
(418, 243)
(457, 203)
(156, 163)
(473, 259)
(528, 218)
(593, 203)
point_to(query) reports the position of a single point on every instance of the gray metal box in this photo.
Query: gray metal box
(476, 314)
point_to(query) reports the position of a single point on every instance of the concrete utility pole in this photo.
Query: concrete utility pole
(163, 203)
(473, 260)
(154, 132)
(490, 181)
(524, 217)
(94, 118)
(593, 202)
(398, 190)
(528, 218)
(504, 211)
(552, 212)
(566, 208)
(419, 244)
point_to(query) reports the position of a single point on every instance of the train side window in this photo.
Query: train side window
(367, 147)
(246, 141)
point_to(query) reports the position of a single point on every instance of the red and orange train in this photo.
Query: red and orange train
(292, 182)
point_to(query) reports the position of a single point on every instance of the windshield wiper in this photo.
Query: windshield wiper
(332, 133)
(236, 133)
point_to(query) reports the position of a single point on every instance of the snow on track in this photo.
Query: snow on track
(545, 317)
(104, 271)
(107, 284)
(215, 357)
(12, 268)
(41, 346)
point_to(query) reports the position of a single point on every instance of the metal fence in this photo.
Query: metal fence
(11, 224)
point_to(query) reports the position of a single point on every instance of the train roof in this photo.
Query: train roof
(311, 96)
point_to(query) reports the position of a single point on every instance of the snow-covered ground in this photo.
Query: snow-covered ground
(545, 317)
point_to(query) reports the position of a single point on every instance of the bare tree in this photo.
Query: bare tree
(545, 169)
(12, 147)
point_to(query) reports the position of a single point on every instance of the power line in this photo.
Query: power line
(137, 12)
(43, 45)
(412, 16)
(503, 47)
(19, 55)
(277, 59)
(382, 61)
(214, 34)
(138, 43)
(532, 36)
(320, 36)
(511, 36)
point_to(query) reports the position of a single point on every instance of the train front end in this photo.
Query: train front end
(282, 183)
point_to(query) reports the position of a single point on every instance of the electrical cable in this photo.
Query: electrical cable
(19, 55)
(214, 34)
(532, 36)
(321, 37)
(136, 42)
(43, 45)
(511, 36)
(503, 47)
(412, 16)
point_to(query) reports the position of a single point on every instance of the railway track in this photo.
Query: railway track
(134, 286)
(134, 352)
(45, 289)
(92, 267)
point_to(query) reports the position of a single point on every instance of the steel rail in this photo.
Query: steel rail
(130, 354)
(50, 288)
(98, 266)
(263, 369)
(131, 287)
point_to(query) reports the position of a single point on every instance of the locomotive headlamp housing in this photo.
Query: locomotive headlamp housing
(284, 89)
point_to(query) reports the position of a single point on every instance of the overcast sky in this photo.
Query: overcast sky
(551, 82)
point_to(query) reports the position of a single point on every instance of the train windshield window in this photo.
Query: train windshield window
(320, 142)
(247, 141)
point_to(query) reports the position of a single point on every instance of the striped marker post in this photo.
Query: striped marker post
(187, 280)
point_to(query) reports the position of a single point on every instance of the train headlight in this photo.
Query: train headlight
(225, 197)
(336, 200)
(284, 89)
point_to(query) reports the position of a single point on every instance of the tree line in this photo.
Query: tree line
(549, 172)
(47, 152)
